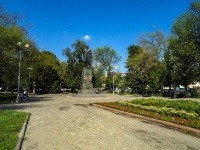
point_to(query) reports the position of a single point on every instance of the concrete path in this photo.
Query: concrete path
(66, 122)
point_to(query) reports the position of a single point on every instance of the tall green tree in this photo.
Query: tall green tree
(10, 34)
(63, 73)
(143, 70)
(133, 79)
(142, 65)
(168, 72)
(75, 64)
(46, 71)
(9, 54)
(107, 58)
(156, 45)
(97, 78)
(185, 44)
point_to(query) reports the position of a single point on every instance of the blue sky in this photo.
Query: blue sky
(115, 23)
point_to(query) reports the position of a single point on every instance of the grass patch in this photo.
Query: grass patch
(11, 123)
(7, 98)
(183, 112)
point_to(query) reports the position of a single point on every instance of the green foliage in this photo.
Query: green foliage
(54, 88)
(75, 64)
(97, 77)
(144, 70)
(10, 35)
(194, 93)
(154, 46)
(11, 123)
(109, 82)
(28, 61)
(106, 56)
(185, 44)
(8, 54)
(134, 50)
(181, 53)
(62, 73)
(168, 68)
(118, 80)
(46, 70)
(133, 79)
(155, 78)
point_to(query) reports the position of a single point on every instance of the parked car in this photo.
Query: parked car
(105, 90)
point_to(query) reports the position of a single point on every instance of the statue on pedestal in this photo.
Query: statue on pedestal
(87, 57)
(87, 86)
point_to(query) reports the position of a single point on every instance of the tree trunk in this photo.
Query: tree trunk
(34, 87)
(60, 87)
(170, 92)
(6, 92)
(186, 91)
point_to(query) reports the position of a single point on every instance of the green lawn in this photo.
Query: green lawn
(7, 98)
(11, 123)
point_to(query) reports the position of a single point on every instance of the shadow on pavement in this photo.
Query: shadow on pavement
(33, 99)
(17, 106)
(24, 104)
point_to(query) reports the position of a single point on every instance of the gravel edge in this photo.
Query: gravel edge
(185, 128)
(22, 133)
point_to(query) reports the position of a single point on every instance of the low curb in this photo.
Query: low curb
(22, 133)
(189, 129)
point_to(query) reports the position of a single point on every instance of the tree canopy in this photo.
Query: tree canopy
(45, 71)
(74, 65)
(185, 44)
(105, 59)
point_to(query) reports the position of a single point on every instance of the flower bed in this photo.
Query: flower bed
(183, 112)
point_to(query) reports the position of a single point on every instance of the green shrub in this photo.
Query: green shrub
(53, 89)
(194, 93)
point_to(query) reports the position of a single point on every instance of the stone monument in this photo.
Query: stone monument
(87, 86)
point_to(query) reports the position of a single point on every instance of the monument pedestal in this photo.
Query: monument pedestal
(86, 86)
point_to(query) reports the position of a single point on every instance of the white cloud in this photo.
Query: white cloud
(86, 37)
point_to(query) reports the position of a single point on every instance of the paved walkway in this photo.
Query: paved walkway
(66, 122)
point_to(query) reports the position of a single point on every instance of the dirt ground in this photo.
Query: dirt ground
(67, 122)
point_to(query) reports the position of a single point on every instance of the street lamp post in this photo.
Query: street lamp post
(113, 84)
(115, 67)
(174, 80)
(29, 69)
(18, 87)
(19, 44)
